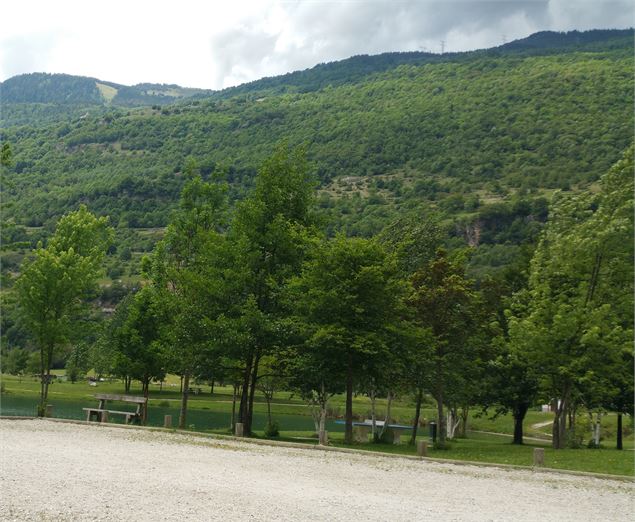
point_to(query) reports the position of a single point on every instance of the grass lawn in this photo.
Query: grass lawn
(480, 447)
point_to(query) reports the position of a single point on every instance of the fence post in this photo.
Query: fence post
(167, 421)
(539, 456)
(49, 410)
(239, 429)
(422, 448)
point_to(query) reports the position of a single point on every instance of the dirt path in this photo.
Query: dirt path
(62, 471)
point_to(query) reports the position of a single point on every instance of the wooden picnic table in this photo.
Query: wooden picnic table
(101, 412)
(361, 430)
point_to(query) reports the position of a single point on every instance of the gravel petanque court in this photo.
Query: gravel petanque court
(62, 471)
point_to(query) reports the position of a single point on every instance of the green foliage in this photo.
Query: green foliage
(348, 298)
(577, 323)
(15, 361)
(135, 338)
(56, 281)
(425, 133)
(272, 430)
(78, 362)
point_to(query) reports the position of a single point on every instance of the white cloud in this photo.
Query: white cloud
(217, 44)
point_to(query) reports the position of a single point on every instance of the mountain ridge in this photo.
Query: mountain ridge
(65, 89)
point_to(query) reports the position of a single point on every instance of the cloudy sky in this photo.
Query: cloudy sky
(215, 44)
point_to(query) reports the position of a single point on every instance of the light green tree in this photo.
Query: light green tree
(55, 282)
(579, 321)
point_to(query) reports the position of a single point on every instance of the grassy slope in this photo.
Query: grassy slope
(482, 447)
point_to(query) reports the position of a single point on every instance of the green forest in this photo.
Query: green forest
(456, 229)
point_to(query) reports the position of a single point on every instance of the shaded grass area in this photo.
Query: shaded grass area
(478, 447)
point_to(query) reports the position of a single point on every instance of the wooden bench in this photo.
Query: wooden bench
(100, 413)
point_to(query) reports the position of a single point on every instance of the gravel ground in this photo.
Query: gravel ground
(59, 471)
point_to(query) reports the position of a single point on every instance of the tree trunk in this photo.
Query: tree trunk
(252, 394)
(46, 357)
(441, 426)
(268, 398)
(519, 416)
(348, 431)
(181, 390)
(186, 392)
(619, 432)
(321, 432)
(465, 413)
(373, 412)
(211, 391)
(244, 392)
(558, 431)
(387, 419)
(597, 429)
(233, 422)
(146, 393)
(415, 424)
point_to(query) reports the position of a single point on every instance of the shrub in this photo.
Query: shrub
(272, 430)
(164, 404)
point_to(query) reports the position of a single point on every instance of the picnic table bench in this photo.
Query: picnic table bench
(361, 430)
(100, 413)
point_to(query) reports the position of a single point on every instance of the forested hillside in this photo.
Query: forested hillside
(481, 139)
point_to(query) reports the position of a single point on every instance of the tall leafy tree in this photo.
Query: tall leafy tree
(55, 282)
(271, 233)
(442, 299)
(176, 268)
(580, 318)
(349, 295)
(414, 240)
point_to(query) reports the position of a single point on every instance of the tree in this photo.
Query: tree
(176, 268)
(414, 241)
(136, 337)
(77, 363)
(270, 380)
(271, 234)
(579, 319)
(442, 299)
(15, 361)
(6, 155)
(349, 295)
(311, 365)
(55, 282)
(512, 386)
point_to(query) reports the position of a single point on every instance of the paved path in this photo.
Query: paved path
(63, 471)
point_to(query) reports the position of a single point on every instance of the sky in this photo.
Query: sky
(217, 44)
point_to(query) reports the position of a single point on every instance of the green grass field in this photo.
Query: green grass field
(489, 440)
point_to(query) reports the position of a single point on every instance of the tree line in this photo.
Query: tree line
(258, 296)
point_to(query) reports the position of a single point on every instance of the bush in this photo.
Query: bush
(575, 436)
(164, 404)
(272, 430)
